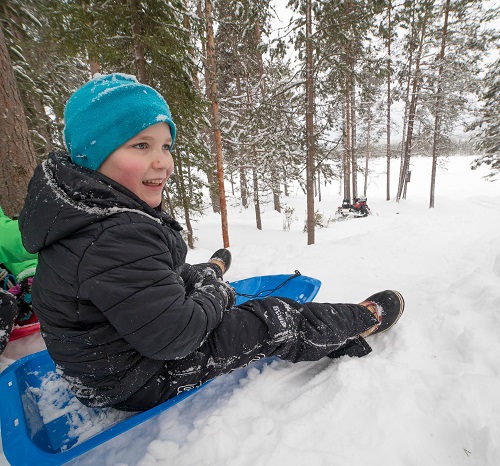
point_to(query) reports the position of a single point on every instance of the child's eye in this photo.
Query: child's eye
(166, 147)
(141, 145)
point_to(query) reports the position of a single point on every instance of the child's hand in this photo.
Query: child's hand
(22, 292)
(229, 292)
(198, 276)
(195, 276)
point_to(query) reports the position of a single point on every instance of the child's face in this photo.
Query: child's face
(143, 164)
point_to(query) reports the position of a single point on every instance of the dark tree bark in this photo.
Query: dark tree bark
(17, 155)
(181, 187)
(139, 55)
(256, 200)
(211, 71)
(347, 157)
(368, 150)
(208, 135)
(354, 160)
(388, 119)
(439, 97)
(243, 187)
(403, 181)
(309, 126)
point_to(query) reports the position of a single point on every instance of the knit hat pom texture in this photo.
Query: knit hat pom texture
(107, 112)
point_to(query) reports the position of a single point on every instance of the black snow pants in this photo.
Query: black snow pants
(8, 315)
(258, 329)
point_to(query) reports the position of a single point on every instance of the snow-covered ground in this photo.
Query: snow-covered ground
(428, 394)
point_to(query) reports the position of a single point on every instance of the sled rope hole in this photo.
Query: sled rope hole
(261, 294)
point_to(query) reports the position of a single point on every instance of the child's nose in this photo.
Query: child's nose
(162, 159)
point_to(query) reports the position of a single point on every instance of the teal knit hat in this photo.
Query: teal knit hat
(108, 111)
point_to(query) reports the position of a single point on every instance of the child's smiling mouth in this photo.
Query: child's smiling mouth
(154, 183)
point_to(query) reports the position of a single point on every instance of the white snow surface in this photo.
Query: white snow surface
(428, 394)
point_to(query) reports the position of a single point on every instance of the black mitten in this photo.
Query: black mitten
(227, 291)
(22, 292)
(201, 277)
(194, 276)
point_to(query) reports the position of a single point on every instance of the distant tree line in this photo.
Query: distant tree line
(258, 109)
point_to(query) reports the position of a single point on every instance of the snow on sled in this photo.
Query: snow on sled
(43, 423)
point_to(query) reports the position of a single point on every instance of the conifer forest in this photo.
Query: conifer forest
(265, 94)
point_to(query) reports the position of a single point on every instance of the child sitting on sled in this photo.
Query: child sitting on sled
(128, 322)
(17, 268)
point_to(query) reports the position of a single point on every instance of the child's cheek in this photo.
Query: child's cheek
(170, 169)
(131, 176)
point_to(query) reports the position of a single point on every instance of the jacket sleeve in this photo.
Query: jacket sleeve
(127, 274)
(12, 253)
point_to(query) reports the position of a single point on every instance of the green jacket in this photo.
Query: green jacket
(12, 253)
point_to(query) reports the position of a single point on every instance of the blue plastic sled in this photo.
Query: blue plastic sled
(43, 423)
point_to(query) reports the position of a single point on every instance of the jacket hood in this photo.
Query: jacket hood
(64, 198)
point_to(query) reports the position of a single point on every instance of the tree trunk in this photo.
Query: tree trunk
(95, 66)
(413, 40)
(258, 39)
(275, 187)
(388, 119)
(368, 150)
(41, 123)
(243, 175)
(211, 62)
(139, 57)
(347, 164)
(181, 186)
(439, 96)
(17, 154)
(412, 111)
(275, 182)
(167, 202)
(213, 189)
(318, 184)
(243, 187)
(354, 160)
(256, 200)
(309, 126)
(208, 135)
(255, 162)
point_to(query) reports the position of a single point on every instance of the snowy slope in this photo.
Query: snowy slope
(426, 395)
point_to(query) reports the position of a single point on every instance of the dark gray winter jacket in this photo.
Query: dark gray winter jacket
(107, 289)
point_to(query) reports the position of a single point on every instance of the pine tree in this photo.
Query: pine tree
(211, 70)
(488, 123)
(421, 16)
(439, 99)
(44, 76)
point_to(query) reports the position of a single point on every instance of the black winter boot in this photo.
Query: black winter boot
(224, 256)
(388, 307)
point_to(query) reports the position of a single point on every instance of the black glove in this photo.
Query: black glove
(194, 276)
(22, 292)
(228, 291)
(206, 274)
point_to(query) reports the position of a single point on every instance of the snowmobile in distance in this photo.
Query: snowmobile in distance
(357, 210)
